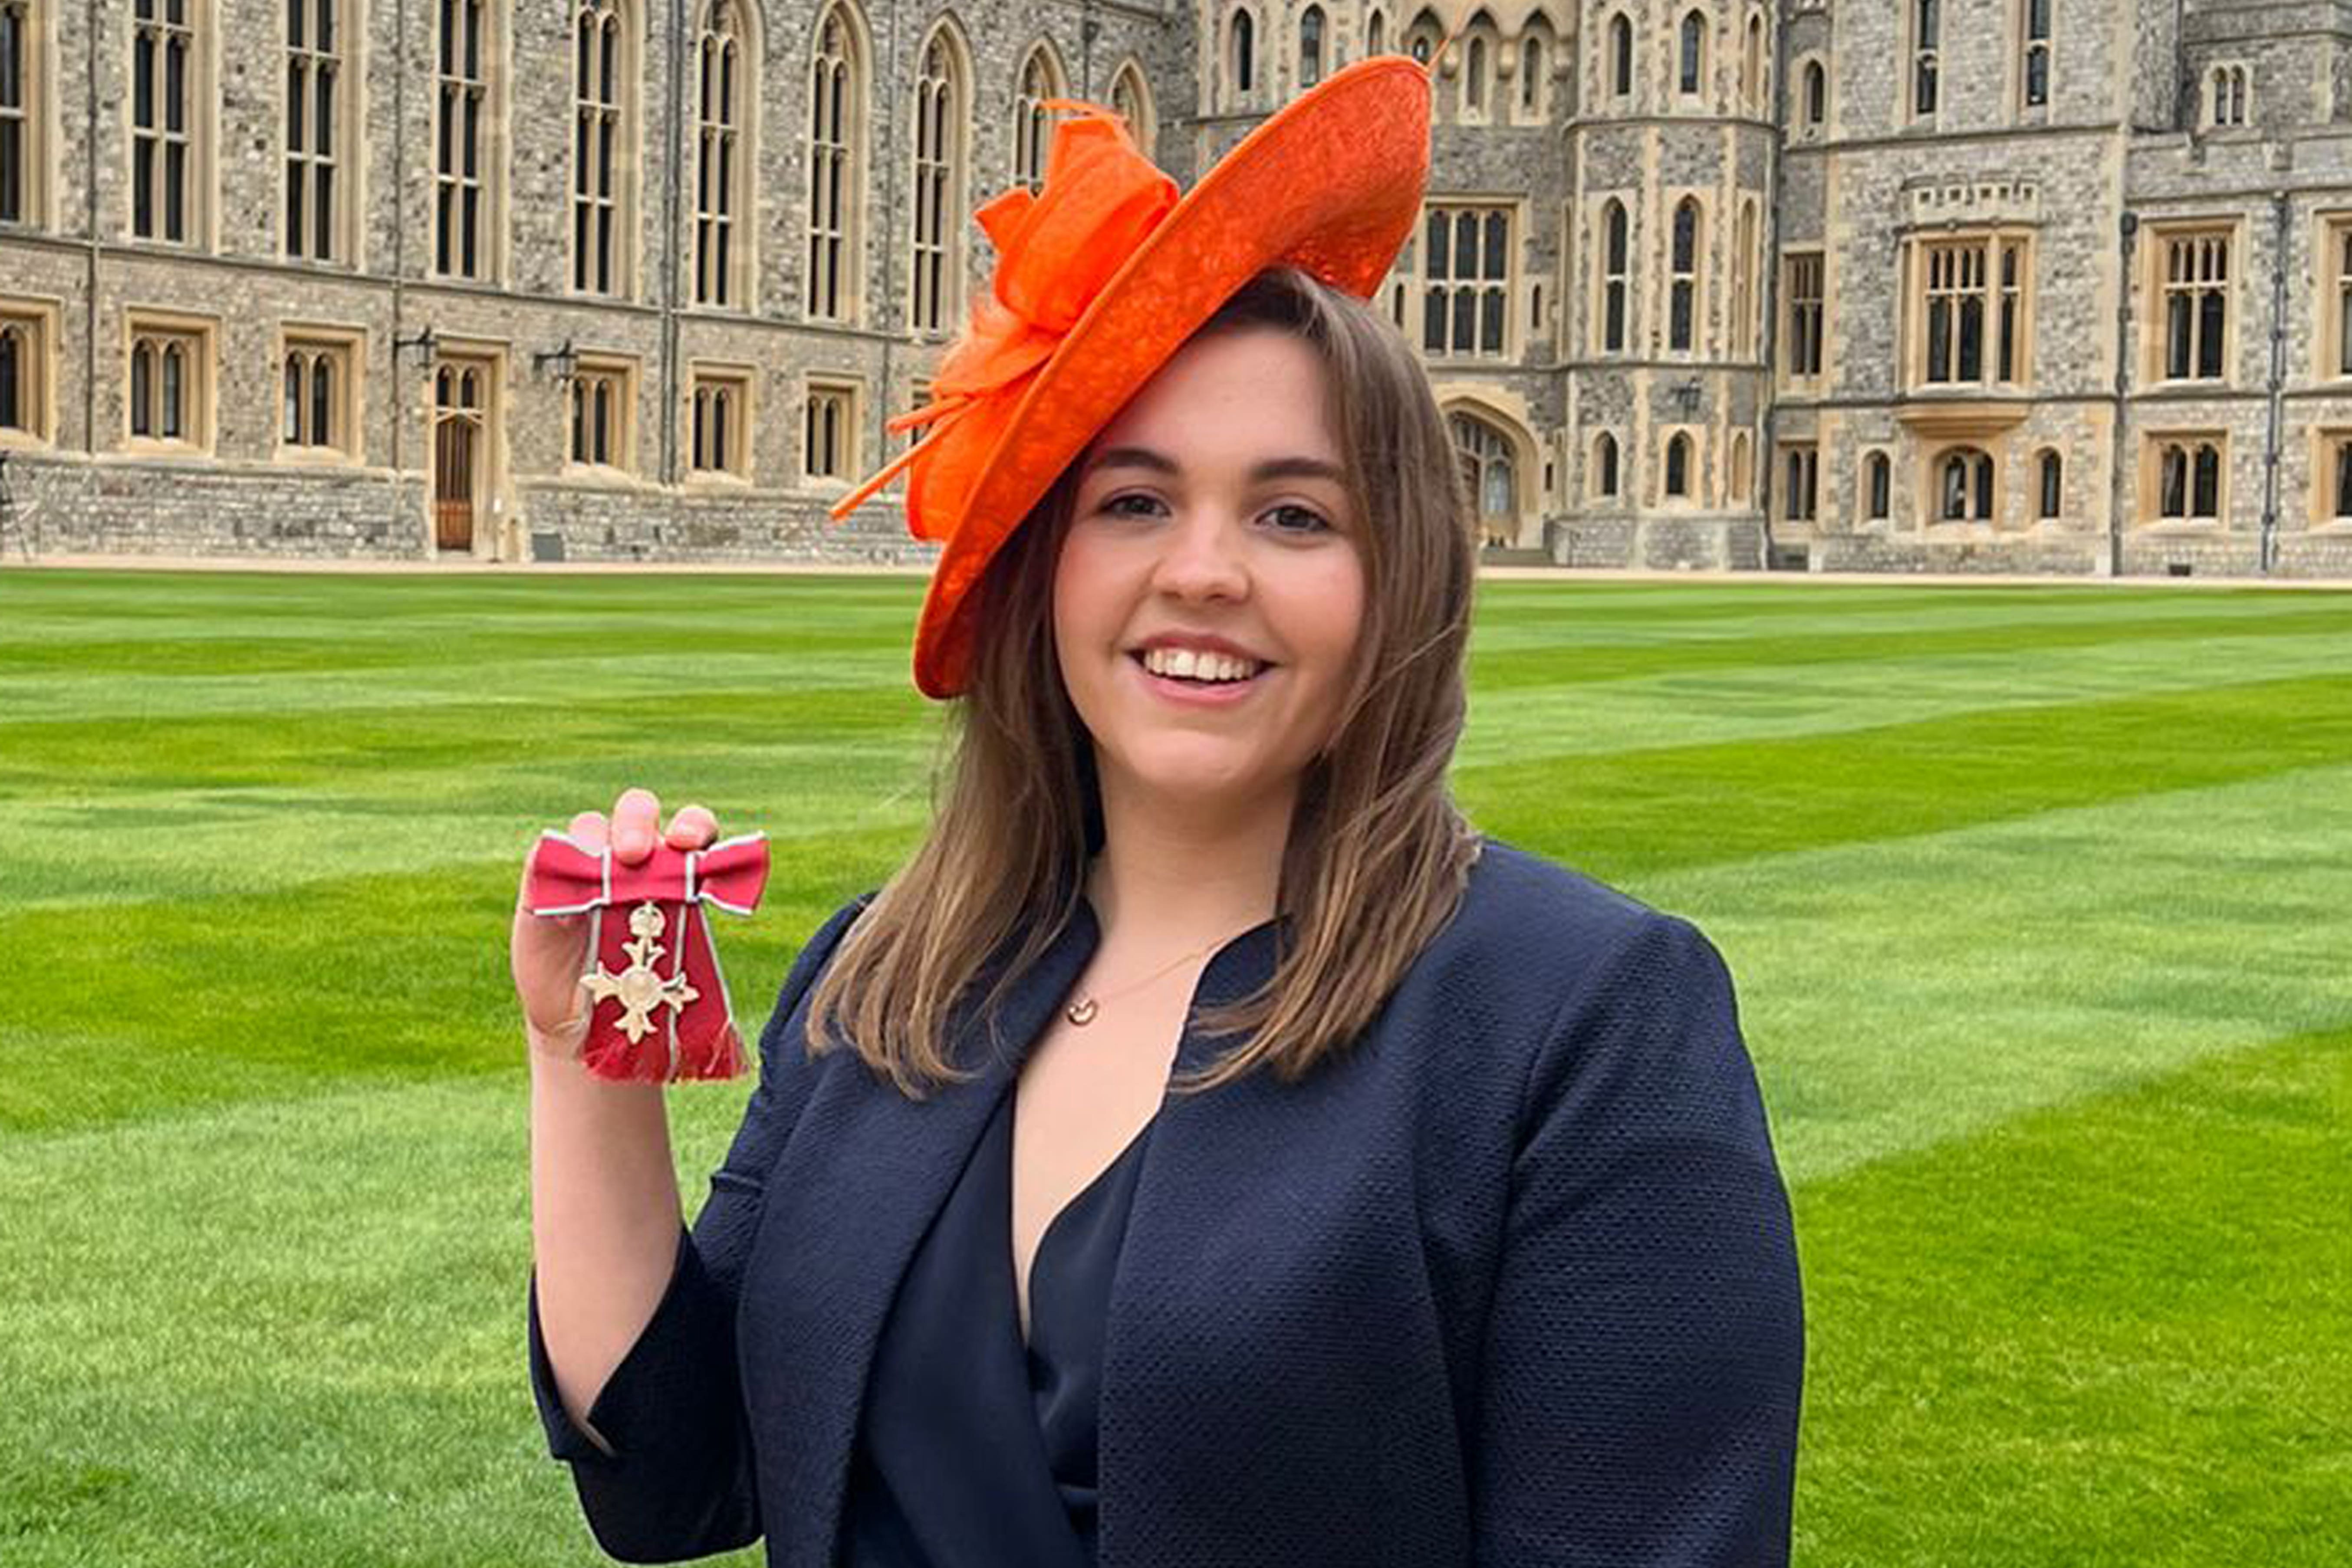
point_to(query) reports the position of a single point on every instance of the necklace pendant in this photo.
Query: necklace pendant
(1081, 1012)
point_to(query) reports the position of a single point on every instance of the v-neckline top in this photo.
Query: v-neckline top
(1087, 1211)
(979, 1449)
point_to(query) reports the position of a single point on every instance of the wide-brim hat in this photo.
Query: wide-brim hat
(1103, 274)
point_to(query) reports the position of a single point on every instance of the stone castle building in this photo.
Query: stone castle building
(1875, 284)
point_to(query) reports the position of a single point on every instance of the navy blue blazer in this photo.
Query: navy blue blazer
(1510, 1282)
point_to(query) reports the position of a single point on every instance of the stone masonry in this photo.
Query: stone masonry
(1737, 146)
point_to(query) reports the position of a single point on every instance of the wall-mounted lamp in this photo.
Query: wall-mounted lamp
(1687, 395)
(563, 360)
(423, 342)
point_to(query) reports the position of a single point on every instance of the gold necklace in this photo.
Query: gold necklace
(1082, 1011)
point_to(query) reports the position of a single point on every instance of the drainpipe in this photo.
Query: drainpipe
(672, 175)
(399, 256)
(881, 405)
(1768, 291)
(89, 223)
(2267, 551)
(2119, 473)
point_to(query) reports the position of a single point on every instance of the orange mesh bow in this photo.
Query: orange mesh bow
(1054, 252)
(1105, 272)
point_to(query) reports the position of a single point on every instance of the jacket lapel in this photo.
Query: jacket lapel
(864, 1174)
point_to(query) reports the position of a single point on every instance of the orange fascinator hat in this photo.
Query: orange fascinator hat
(1101, 275)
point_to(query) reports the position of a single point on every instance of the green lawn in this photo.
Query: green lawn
(2036, 897)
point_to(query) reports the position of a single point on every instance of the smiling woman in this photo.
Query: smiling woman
(1206, 1147)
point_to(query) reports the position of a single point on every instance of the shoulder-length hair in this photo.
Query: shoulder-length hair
(1378, 854)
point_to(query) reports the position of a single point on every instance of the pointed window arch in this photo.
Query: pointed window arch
(1964, 486)
(1490, 472)
(1621, 56)
(1690, 71)
(1376, 34)
(1241, 54)
(1816, 111)
(2051, 473)
(1927, 56)
(836, 166)
(1534, 74)
(726, 88)
(1751, 65)
(1032, 126)
(1877, 485)
(2033, 68)
(939, 139)
(1130, 99)
(1682, 298)
(466, 107)
(1604, 466)
(318, 132)
(1678, 464)
(2188, 477)
(1474, 75)
(2228, 94)
(1422, 37)
(603, 143)
(171, 157)
(1311, 47)
(1616, 276)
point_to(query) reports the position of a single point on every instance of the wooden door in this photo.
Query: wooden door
(458, 393)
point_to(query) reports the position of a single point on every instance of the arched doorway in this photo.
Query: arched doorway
(460, 450)
(1490, 470)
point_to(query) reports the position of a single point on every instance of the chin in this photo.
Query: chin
(1201, 779)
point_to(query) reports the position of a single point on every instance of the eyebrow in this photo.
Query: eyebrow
(1272, 468)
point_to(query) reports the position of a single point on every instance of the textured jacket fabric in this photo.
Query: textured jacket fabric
(1512, 1282)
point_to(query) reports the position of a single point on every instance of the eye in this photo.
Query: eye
(1301, 519)
(1117, 506)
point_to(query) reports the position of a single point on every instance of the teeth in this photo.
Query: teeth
(1189, 664)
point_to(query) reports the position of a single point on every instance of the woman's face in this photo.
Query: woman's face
(1209, 592)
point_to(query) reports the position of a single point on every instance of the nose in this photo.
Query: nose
(1203, 558)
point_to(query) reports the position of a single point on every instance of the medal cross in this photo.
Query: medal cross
(638, 988)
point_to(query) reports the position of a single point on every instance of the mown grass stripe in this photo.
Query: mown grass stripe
(1576, 663)
(1636, 813)
(389, 977)
(2110, 1332)
(1697, 707)
(299, 1345)
(1902, 992)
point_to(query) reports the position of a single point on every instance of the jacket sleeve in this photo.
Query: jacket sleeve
(678, 1483)
(1640, 1384)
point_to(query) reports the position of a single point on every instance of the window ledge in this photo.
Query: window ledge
(153, 447)
(2185, 526)
(16, 440)
(315, 457)
(1954, 415)
(597, 476)
(716, 480)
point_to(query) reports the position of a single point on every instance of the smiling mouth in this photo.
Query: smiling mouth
(1190, 668)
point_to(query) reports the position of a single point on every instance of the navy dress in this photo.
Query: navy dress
(975, 1452)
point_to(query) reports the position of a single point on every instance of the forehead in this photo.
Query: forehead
(1241, 393)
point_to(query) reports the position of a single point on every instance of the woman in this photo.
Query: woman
(1206, 1149)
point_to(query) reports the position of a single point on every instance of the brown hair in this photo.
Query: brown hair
(1378, 854)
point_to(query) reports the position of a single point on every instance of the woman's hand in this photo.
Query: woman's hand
(548, 953)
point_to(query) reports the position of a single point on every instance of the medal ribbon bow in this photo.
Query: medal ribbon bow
(664, 894)
(1055, 250)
